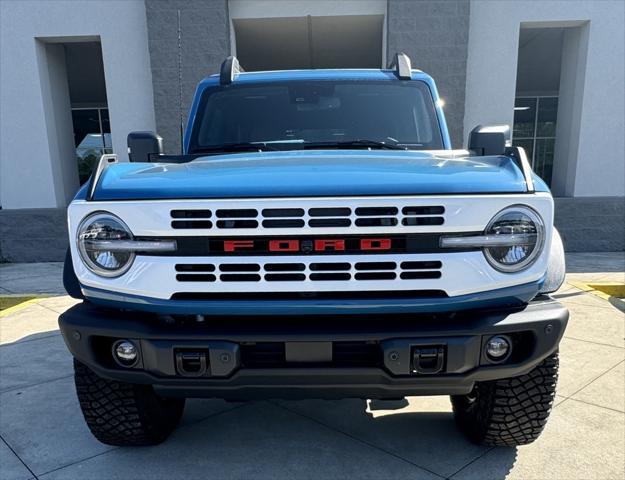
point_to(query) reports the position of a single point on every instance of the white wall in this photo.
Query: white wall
(32, 174)
(239, 9)
(491, 76)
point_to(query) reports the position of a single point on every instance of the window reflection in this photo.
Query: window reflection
(534, 130)
(92, 138)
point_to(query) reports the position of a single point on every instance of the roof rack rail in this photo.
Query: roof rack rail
(401, 65)
(230, 68)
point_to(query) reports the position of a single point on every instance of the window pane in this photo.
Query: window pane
(524, 117)
(547, 115)
(527, 144)
(85, 122)
(106, 125)
(89, 141)
(543, 163)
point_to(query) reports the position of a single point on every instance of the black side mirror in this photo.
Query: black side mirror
(143, 144)
(489, 140)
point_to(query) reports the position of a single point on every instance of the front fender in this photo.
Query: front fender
(556, 269)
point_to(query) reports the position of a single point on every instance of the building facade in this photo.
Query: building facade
(77, 77)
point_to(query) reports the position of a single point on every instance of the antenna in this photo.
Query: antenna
(180, 86)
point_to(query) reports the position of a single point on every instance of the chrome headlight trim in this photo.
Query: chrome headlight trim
(81, 244)
(536, 219)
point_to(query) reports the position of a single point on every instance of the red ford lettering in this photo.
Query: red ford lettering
(234, 245)
(375, 244)
(324, 245)
(284, 245)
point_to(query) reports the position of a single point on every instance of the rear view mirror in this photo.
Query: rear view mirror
(143, 144)
(489, 140)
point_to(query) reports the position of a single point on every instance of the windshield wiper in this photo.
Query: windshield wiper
(236, 147)
(362, 143)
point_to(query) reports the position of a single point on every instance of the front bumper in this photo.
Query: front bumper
(365, 356)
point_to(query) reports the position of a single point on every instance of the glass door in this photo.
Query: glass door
(92, 138)
(534, 129)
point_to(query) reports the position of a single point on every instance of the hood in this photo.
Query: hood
(311, 173)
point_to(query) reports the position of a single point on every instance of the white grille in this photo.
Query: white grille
(386, 216)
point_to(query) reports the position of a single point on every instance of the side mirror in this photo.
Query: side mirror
(490, 140)
(143, 144)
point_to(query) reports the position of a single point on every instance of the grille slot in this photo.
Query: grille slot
(237, 224)
(438, 210)
(329, 222)
(412, 221)
(285, 277)
(376, 211)
(239, 277)
(239, 267)
(376, 266)
(376, 276)
(195, 267)
(285, 267)
(315, 277)
(376, 222)
(237, 213)
(283, 212)
(181, 224)
(419, 275)
(421, 265)
(191, 214)
(195, 277)
(286, 223)
(330, 212)
(325, 267)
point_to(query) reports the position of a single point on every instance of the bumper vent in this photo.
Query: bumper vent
(300, 272)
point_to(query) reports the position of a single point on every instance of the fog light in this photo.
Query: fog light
(125, 353)
(497, 348)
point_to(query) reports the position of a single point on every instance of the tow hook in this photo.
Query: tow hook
(428, 360)
(192, 364)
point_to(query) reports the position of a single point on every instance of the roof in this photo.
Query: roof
(316, 74)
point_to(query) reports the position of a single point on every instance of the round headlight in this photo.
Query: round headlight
(526, 230)
(95, 234)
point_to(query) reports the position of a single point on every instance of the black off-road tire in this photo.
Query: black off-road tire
(508, 412)
(124, 414)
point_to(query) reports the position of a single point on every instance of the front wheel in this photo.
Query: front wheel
(124, 414)
(511, 411)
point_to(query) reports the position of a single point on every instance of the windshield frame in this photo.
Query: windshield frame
(191, 144)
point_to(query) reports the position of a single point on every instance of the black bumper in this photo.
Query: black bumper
(342, 356)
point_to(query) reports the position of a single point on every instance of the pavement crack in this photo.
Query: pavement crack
(18, 457)
(570, 397)
(24, 387)
(470, 463)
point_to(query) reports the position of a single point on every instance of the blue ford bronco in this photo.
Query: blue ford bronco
(317, 238)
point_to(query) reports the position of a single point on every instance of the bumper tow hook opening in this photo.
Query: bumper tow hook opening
(191, 364)
(428, 360)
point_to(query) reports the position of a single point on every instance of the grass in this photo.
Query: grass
(9, 303)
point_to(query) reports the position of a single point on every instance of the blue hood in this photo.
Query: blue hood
(311, 173)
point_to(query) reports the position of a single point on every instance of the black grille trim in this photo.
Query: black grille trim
(276, 296)
(199, 246)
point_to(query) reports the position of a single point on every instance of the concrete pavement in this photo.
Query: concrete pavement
(43, 434)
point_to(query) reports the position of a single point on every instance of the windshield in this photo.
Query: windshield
(301, 114)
